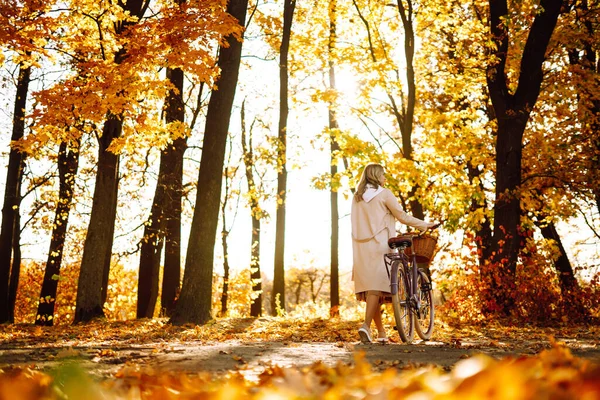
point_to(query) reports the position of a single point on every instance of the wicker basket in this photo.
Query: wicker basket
(423, 246)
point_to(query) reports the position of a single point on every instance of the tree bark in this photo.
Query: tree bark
(224, 236)
(334, 148)
(164, 227)
(512, 112)
(483, 234)
(173, 160)
(569, 287)
(68, 161)
(256, 215)
(15, 273)
(566, 276)
(12, 193)
(150, 252)
(278, 298)
(225, 292)
(97, 248)
(255, 274)
(195, 302)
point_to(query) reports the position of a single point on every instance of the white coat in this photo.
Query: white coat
(373, 223)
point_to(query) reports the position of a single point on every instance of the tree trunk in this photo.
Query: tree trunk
(164, 226)
(224, 235)
(566, 276)
(195, 302)
(512, 112)
(569, 287)
(483, 234)
(406, 118)
(225, 292)
(97, 248)
(110, 235)
(165, 217)
(15, 273)
(68, 161)
(173, 160)
(278, 298)
(334, 282)
(12, 193)
(255, 275)
(150, 252)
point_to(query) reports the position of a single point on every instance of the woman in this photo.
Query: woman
(374, 214)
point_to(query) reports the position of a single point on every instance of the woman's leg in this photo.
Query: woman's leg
(381, 333)
(372, 309)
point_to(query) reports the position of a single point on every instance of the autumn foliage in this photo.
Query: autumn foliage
(485, 114)
(536, 290)
(121, 299)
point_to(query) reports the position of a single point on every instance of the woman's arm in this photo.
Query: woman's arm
(395, 208)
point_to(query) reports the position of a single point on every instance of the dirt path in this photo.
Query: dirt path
(105, 359)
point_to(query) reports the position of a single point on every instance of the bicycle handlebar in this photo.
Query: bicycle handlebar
(436, 225)
(431, 228)
(421, 232)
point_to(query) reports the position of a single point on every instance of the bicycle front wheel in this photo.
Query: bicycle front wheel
(425, 315)
(402, 314)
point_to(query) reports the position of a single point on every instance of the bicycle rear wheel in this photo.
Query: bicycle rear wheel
(400, 304)
(425, 316)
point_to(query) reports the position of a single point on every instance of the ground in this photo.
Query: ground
(249, 346)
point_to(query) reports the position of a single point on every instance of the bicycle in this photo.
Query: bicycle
(410, 287)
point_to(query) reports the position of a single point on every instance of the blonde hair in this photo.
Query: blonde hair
(372, 174)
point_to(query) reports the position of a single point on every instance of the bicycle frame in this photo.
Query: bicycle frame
(392, 271)
(412, 312)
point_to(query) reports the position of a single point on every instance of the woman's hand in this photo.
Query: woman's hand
(434, 225)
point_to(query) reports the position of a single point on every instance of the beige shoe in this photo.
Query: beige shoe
(365, 335)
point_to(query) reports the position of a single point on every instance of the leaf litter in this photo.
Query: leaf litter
(545, 368)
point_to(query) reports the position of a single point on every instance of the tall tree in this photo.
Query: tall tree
(224, 244)
(97, 249)
(195, 301)
(566, 277)
(172, 157)
(228, 175)
(164, 224)
(15, 272)
(68, 161)
(334, 149)
(150, 252)
(454, 98)
(256, 214)
(278, 297)
(164, 227)
(512, 109)
(400, 92)
(12, 193)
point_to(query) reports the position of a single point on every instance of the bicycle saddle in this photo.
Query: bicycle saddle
(398, 241)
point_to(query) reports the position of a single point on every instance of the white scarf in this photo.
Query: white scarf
(371, 192)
